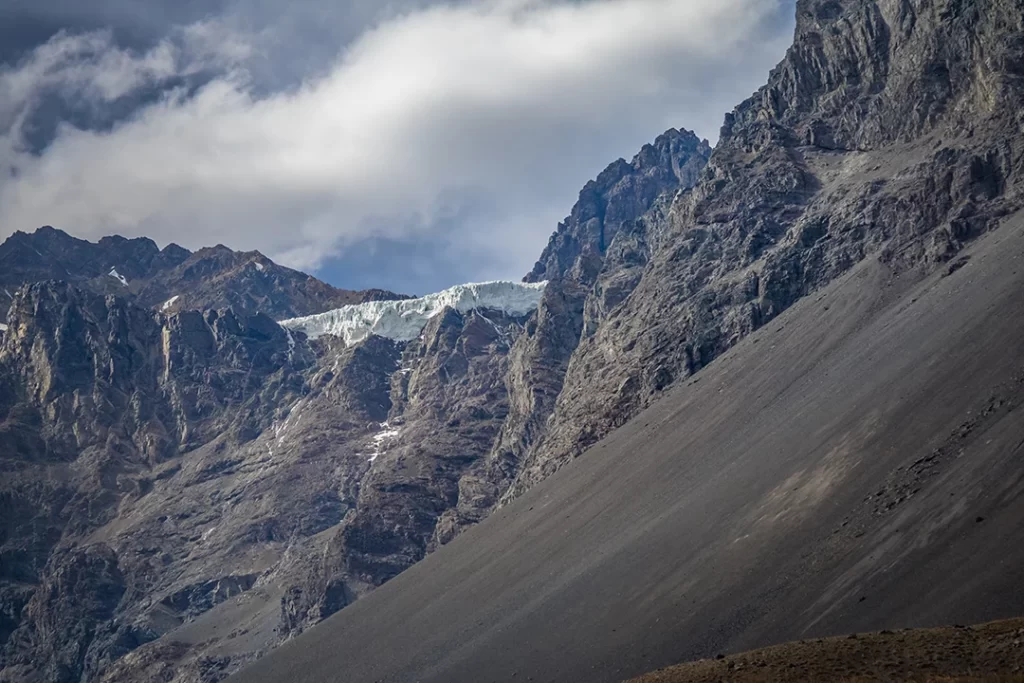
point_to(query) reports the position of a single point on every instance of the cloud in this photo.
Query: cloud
(86, 73)
(477, 122)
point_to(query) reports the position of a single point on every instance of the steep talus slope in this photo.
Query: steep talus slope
(853, 466)
(892, 129)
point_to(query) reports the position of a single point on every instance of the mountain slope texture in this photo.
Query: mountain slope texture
(853, 466)
(787, 371)
(864, 446)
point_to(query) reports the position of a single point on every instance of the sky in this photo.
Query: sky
(409, 145)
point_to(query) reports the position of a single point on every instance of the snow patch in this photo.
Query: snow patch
(117, 276)
(291, 341)
(405, 320)
(382, 440)
(259, 266)
(170, 302)
(280, 429)
(3, 328)
(291, 346)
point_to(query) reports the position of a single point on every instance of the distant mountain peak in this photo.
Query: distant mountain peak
(212, 277)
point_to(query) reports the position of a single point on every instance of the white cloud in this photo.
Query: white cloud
(89, 69)
(505, 105)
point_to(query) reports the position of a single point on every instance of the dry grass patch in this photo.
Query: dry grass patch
(989, 653)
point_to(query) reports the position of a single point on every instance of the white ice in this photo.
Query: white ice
(405, 320)
(170, 302)
(382, 439)
(117, 276)
(291, 344)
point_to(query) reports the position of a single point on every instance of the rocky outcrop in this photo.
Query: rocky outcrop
(426, 476)
(69, 615)
(593, 260)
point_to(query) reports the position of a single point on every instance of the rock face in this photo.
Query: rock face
(100, 400)
(184, 483)
(594, 261)
(213, 473)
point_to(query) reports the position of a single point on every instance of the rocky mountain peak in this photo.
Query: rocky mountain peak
(619, 195)
(49, 253)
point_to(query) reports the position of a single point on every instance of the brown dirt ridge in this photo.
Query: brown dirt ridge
(989, 653)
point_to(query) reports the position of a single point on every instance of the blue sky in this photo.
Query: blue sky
(408, 145)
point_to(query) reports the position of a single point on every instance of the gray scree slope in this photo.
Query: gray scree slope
(855, 465)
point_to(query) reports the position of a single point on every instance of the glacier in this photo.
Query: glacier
(404, 320)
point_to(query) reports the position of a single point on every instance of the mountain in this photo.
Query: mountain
(820, 332)
(889, 131)
(51, 254)
(783, 368)
(163, 470)
(190, 483)
(172, 278)
(854, 466)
